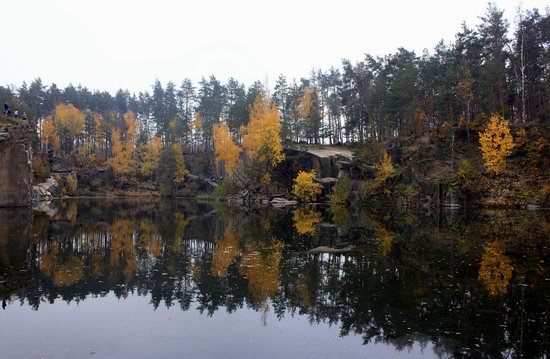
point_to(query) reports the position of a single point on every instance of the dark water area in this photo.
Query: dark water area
(165, 279)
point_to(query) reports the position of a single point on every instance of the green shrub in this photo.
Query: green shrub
(225, 188)
(341, 191)
(96, 183)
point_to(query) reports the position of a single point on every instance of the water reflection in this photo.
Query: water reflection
(470, 285)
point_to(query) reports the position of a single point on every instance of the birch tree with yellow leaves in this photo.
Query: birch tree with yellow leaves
(123, 160)
(227, 152)
(72, 120)
(150, 155)
(262, 139)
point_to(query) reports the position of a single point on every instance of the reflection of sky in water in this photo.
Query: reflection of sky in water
(131, 328)
(420, 285)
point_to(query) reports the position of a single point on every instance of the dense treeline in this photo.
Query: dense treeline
(487, 69)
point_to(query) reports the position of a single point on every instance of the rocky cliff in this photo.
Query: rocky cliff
(15, 164)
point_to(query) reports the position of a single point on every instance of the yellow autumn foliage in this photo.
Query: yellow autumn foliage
(72, 187)
(262, 136)
(131, 126)
(121, 248)
(71, 118)
(123, 161)
(227, 249)
(385, 239)
(305, 188)
(262, 267)
(61, 270)
(496, 144)
(495, 270)
(50, 134)
(150, 155)
(197, 123)
(305, 219)
(384, 170)
(306, 103)
(179, 176)
(226, 150)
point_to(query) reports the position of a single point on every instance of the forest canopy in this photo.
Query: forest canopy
(487, 69)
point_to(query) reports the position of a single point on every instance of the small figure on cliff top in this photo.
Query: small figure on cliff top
(16, 113)
(6, 109)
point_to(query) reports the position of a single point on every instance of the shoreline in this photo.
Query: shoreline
(207, 199)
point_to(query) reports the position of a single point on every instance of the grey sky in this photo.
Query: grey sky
(108, 44)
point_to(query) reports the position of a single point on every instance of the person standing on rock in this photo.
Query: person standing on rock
(6, 109)
(16, 113)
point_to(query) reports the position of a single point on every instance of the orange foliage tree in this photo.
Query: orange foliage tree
(150, 155)
(50, 134)
(227, 249)
(181, 171)
(262, 135)
(71, 118)
(123, 161)
(226, 150)
(262, 268)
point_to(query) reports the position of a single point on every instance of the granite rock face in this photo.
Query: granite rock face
(15, 166)
(45, 191)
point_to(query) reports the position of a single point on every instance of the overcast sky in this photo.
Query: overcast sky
(111, 44)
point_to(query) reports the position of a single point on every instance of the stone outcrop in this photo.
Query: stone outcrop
(327, 161)
(15, 165)
(198, 184)
(45, 191)
(282, 202)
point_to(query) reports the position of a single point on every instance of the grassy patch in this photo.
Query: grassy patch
(5, 120)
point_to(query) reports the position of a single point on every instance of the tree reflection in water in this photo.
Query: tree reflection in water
(464, 282)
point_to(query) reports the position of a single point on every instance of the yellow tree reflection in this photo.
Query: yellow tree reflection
(385, 239)
(122, 247)
(382, 234)
(261, 267)
(180, 223)
(495, 270)
(227, 249)
(62, 274)
(305, 219)
(150, 239)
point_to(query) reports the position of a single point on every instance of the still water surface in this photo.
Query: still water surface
(167, 279)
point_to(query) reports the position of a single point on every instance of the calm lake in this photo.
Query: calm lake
(178, 279)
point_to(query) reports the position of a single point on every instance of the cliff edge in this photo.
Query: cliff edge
(15, 163)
